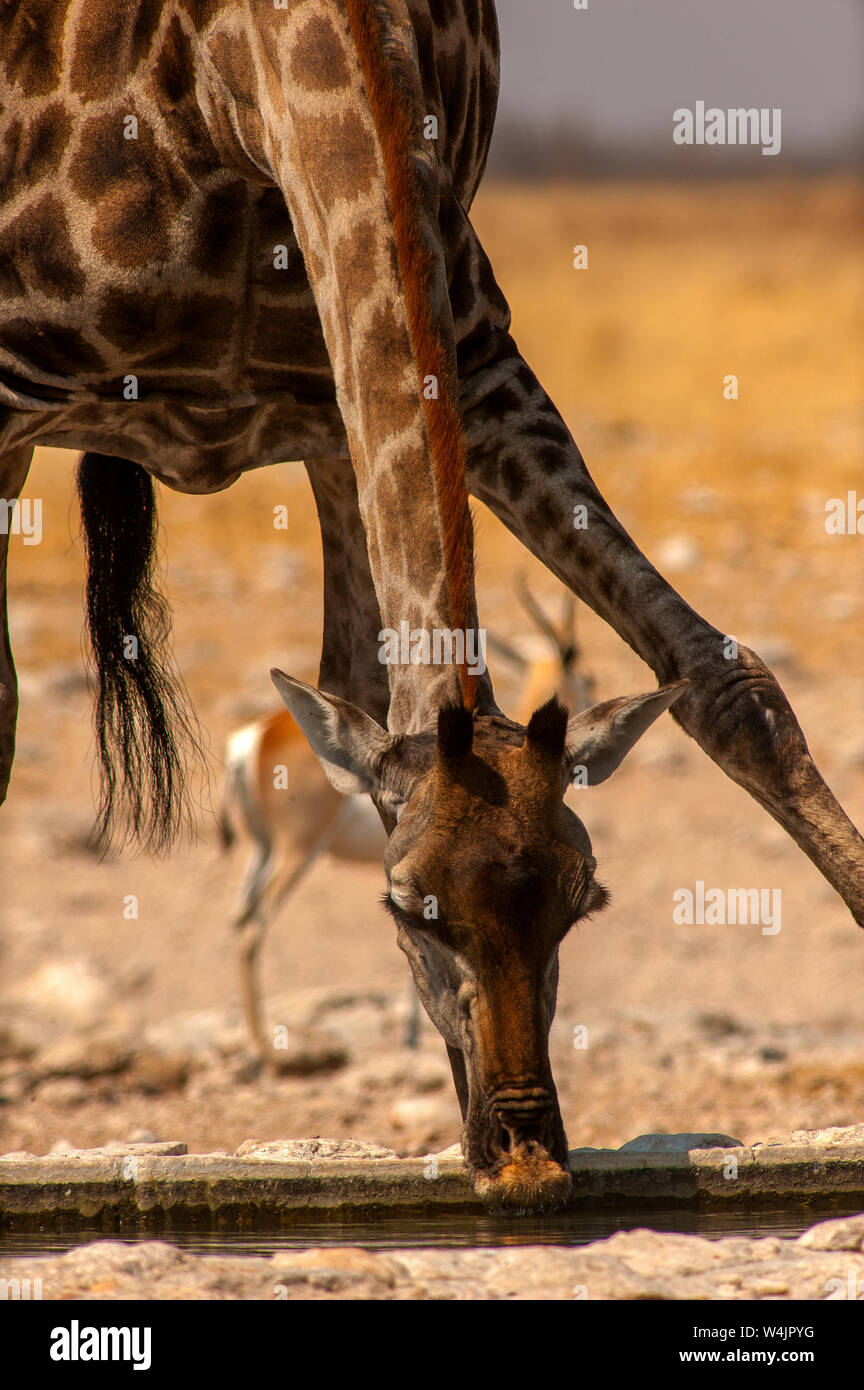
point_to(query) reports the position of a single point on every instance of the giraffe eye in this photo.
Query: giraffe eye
(405, 896)
(594, 899)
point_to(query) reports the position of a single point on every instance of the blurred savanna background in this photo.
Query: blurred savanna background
(115, 1027)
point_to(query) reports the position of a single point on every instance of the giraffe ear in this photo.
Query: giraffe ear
(347, 743)
(600, 738)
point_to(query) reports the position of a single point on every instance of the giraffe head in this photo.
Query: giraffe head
(487, 871)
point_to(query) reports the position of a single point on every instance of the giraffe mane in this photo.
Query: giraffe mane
(395, 124)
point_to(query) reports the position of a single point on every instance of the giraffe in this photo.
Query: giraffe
(234, 233)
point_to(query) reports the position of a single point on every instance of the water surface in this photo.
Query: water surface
(461, 1229)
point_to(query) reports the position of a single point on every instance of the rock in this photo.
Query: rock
(718, 1025)
(156, 1073)
(392, 1068)
(20, 1038)
(845, 1233)
(72, 990)
(630, 1264)
(141, 1148)
(63, 1091)
(425, 1115)
(353, 1021)
(336, 1268)
(305, 1051)
(836, 1136)
(14, 1089)
(161, 1149)
(84, 1055)
(678, 1143)
(453, 1151)
(292, 1150)
(202, 1033)
(147, 1269)
(430, 1074)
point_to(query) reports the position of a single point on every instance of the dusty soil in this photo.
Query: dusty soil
(116, 1028)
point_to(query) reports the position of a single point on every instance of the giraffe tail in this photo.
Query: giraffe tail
(145, 726)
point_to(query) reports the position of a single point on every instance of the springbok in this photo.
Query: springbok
(550, 660)
(276, 793)
(275, 790)
(234, 234)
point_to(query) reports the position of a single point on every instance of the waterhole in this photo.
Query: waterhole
(392, 1230)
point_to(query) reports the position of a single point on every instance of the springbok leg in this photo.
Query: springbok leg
(13, 474)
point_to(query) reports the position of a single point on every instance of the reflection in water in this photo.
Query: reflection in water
(570, 1228)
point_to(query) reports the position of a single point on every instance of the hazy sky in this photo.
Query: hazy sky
(623, 66)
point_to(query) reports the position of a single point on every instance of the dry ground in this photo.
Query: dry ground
(717, 1028)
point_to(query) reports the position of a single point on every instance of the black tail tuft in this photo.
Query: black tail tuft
(143, 716)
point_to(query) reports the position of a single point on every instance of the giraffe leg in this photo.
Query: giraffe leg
(456, 1058)
(349, 651)
(13, 473)
(379, 281)
(525, 466)
(349, 655)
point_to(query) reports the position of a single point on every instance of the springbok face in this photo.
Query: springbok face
(487, 871)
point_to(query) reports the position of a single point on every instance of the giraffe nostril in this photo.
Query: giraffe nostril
(521, 1118)
(516, 1130)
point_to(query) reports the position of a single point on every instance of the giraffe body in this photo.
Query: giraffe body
(171, 257)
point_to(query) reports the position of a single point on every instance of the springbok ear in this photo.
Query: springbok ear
(600, 738)
(347, 743)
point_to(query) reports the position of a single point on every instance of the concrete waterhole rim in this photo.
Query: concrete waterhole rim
(161, 1187)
